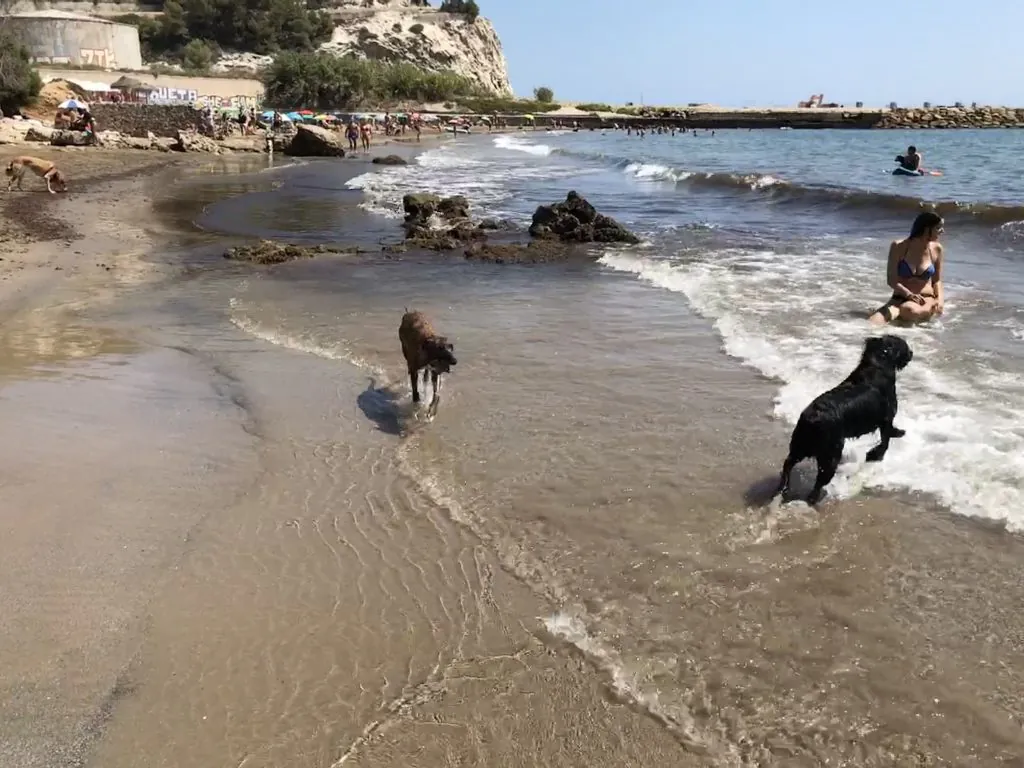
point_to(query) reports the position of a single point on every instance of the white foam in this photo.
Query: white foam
(489, 181)
(964, 443)
(299, 343)
(655, 172)
(516, 144)
(633, 686)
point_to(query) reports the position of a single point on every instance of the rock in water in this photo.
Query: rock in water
(577, 221)
(389, 160)
(313, 141)
(453, 213)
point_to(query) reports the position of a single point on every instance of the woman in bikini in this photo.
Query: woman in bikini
(914, 273)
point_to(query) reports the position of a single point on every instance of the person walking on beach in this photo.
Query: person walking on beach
(352, 134)
(366, 132)
(914, 272)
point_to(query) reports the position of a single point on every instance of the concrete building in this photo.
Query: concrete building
(63, 37)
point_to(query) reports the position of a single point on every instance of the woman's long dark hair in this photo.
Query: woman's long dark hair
(924, 222)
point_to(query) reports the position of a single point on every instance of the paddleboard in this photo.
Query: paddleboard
(905, 172)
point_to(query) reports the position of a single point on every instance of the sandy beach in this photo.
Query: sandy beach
(161, 564)
(226, 542)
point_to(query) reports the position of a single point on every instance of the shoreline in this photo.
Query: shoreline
(97, 648)
(257, 604)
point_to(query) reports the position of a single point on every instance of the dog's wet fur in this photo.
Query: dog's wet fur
(866, 401)
(427, 351)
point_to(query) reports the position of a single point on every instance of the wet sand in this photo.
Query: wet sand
(199, 572)
(216, 551)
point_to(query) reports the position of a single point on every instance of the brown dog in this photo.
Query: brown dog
(43, 168)
(425, 350)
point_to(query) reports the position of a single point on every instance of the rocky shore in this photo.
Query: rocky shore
(953, 117)
(559, 232)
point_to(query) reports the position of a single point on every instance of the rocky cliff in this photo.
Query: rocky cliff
(399, 30)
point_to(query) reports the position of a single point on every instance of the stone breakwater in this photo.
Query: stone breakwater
(143, 119)
(953, 117)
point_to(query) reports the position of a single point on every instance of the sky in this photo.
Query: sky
(765, 52)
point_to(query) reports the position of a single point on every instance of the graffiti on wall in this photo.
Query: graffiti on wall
(167, 95)
(98, 57)
(104, 58)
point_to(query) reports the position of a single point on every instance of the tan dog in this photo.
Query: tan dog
(43, 168)
(425, 350)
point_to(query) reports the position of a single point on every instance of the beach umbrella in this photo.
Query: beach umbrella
(268, 115)
(72, 104)
(305, 112)
(325, 117)
(293, 116)
(528, 117)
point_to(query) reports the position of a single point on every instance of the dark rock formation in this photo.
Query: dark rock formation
(577, 221)
(455, 225)
(389, 160)
(313, 141)
(534, 252)
(269, 252)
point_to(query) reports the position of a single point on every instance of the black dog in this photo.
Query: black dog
(864, 402)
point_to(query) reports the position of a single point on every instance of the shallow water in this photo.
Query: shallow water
(607, 440)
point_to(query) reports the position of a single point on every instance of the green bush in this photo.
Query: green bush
(505, 106)
(324, 81)
(260, 26)
(597, 107)
(19, 81)
(467, 8)
(198, 55)
(544, 94)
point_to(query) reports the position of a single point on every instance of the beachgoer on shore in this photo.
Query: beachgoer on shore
(914, 272)
(911, 161)
(366, 133)
(352, 134)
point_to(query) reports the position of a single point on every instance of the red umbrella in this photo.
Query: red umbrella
(305, 112)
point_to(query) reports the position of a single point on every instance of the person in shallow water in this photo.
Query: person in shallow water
(914, 272)
(911, 161)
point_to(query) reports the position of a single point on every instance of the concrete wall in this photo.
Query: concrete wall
(226, 91)
(141, 119)
(78, 42)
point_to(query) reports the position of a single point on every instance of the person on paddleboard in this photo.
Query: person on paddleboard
(911, 161)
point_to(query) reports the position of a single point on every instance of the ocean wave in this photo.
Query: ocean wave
(958, 414)
(775, 189)
(517, 144)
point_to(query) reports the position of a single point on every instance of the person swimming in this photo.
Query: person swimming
(911, 161)
(914, 272)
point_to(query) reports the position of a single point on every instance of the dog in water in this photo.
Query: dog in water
(48, 171)
(864, 402)
(425, 350)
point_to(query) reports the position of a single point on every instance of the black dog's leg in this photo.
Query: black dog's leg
(828, 463)
(787, 469)
(887, 432)
(878, 452)
(415, 385)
